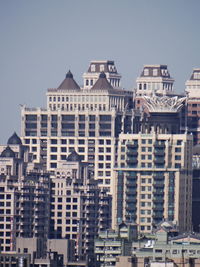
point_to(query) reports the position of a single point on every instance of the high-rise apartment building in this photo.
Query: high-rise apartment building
(154, 180)
(154, 171)
(79, 208)
(87, 119)
(193, 103)
(24, 196)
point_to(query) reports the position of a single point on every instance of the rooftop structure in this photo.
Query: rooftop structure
(97, 66)
(154, 79)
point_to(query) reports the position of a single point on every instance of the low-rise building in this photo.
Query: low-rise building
(111, 244)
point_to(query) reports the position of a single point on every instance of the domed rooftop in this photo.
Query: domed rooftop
(69, 83)
(14, 140)
(8, 153)
(74, 156)
(102, 83)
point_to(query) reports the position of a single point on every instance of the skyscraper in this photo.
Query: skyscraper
(154, 172)
(79, 208)
(24, 196)
(193, 103)
(87, 119)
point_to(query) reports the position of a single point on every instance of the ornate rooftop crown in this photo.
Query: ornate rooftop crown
(164, 103)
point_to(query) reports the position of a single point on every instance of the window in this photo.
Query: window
(101, 68)
(146, 72)
(93, 67)
(178, 165)
(53, 149)
(81, 117)
(101, 149)
(92, 117)
(53, 165)
(101, 157)
(155, 72)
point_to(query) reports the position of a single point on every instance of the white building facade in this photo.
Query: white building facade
(87, 119)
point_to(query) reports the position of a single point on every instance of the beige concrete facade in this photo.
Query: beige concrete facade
(79, 209)
(86, 119)
(24, 196)
(153, 180)
(193, 105)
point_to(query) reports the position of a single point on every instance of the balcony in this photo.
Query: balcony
(158, 199)
(132, 209)
(132, 160)
(159, 152)
(158, 208)
(132, 145)
(159, 160)
(131, 176)
(157, 215)
(159, 145)
(132, 152)
(159, 184)
(131, 183)
(131, 190)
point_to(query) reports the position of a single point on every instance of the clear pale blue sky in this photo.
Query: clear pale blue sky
(41, 39)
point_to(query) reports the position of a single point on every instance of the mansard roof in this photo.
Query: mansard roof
(155, 71)
(108, 66)
(14, 140)
(196, 74)
(69, 83)
(8, 153)
(102, 83)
